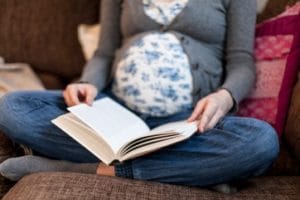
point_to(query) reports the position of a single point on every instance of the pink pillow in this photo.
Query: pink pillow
(277, 53)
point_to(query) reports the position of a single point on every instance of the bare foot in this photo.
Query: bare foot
(105, 170)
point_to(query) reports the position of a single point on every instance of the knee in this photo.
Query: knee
(6, 114)
(11, 99)
(7, 103)
(256, 138)
(264, 144)
(12, 103)
(13, 110)
(18, 102)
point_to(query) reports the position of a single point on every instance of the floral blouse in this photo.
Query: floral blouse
(154, 77)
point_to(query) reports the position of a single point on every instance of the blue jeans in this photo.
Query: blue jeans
(236, 148)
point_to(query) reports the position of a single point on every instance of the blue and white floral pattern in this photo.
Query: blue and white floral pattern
(154, 75)
(163, 12)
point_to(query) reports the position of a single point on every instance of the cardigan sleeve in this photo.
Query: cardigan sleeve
(239, 61)
(97, 70)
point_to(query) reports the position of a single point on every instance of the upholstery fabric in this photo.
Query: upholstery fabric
(43, 33)
(84, 187)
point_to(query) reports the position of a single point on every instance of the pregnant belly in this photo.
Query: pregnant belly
(154, 77)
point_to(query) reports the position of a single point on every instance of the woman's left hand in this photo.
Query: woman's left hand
(210, 109)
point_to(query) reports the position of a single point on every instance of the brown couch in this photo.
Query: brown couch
(43, 34)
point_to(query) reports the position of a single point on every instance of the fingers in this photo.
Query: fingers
(71, 95)
(214, 120)
(90, 95)
(209, 111)
(74, 94)
(66, 97)
(197, 111)
(77, 93)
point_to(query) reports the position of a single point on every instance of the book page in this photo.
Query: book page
(162, 136)
(85, 136)
(181, 127)
(113, 122)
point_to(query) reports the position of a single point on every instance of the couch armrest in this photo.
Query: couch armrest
(292, 129)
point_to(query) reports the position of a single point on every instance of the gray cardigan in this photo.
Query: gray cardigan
(217, 36)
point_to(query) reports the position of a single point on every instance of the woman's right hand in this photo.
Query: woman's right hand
(76, 93)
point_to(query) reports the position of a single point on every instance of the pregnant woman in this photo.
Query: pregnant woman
(166, 60)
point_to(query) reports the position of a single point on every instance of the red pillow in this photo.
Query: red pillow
(277, 53)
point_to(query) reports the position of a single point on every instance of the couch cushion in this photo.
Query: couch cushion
(43, 33)
(79, 186)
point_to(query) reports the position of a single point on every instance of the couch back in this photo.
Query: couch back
(43, 33)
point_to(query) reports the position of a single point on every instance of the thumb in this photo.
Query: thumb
(90, 96)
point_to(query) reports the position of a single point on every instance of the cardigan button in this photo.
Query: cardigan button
(195, 66)
(163, 28)
(196, 91)
(183, 40)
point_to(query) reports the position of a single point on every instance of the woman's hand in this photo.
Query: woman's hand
(210, 109)
(76, 93)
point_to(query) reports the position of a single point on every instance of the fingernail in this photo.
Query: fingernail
(199, 129)
(202, 129)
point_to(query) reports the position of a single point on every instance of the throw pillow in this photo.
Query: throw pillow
(261, 4)
(18, 76)
(277, 53)
(88, 36)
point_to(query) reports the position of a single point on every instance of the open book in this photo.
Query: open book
(113, 133)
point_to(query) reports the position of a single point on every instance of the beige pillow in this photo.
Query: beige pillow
(18, 76)
(88, 36)
(261, 4)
